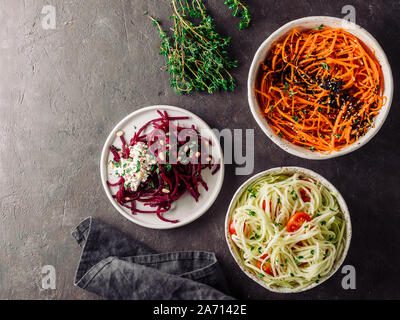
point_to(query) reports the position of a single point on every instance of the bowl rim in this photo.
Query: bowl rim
(105, 153)
(292, 169)
(297, 150)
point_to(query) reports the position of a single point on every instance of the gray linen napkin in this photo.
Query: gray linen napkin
(115, 266)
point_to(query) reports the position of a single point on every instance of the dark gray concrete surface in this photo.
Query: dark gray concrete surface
(63, 90)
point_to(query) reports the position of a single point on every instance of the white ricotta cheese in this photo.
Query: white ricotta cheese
(137, 168)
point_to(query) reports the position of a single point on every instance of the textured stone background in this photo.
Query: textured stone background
(63, 90)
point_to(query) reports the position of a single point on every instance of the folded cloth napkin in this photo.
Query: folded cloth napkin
(115, 266)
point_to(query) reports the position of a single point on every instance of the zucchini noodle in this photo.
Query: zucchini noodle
(294, 259)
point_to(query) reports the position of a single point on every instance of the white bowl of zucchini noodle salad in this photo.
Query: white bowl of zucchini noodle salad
(288, 229)
(162, 167)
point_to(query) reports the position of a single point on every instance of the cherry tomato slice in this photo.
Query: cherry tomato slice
(232, 229)
(296, 221)
(266, 267)
(264, 205)
(304, 195)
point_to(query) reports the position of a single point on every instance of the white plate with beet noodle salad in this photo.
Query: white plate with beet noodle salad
(162, 167)
(288, 229)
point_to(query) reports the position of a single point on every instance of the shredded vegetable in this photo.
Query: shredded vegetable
(167, 181)
(320, 89)
(289, 230)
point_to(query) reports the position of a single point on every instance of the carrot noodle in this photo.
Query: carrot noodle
(320, 89)
(179, 178)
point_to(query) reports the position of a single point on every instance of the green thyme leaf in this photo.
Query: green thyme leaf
(240, 8)
(196, 54)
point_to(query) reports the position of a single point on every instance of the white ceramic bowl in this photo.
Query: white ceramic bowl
(243, 188)
(186, 209)
(309, 23)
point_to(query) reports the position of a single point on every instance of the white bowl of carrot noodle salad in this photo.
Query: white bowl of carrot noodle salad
(288, 229)
(320, 87)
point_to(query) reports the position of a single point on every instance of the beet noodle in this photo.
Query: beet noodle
(177, 178)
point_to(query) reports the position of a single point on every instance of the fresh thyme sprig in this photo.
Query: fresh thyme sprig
(240, 8)
(196, 54)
